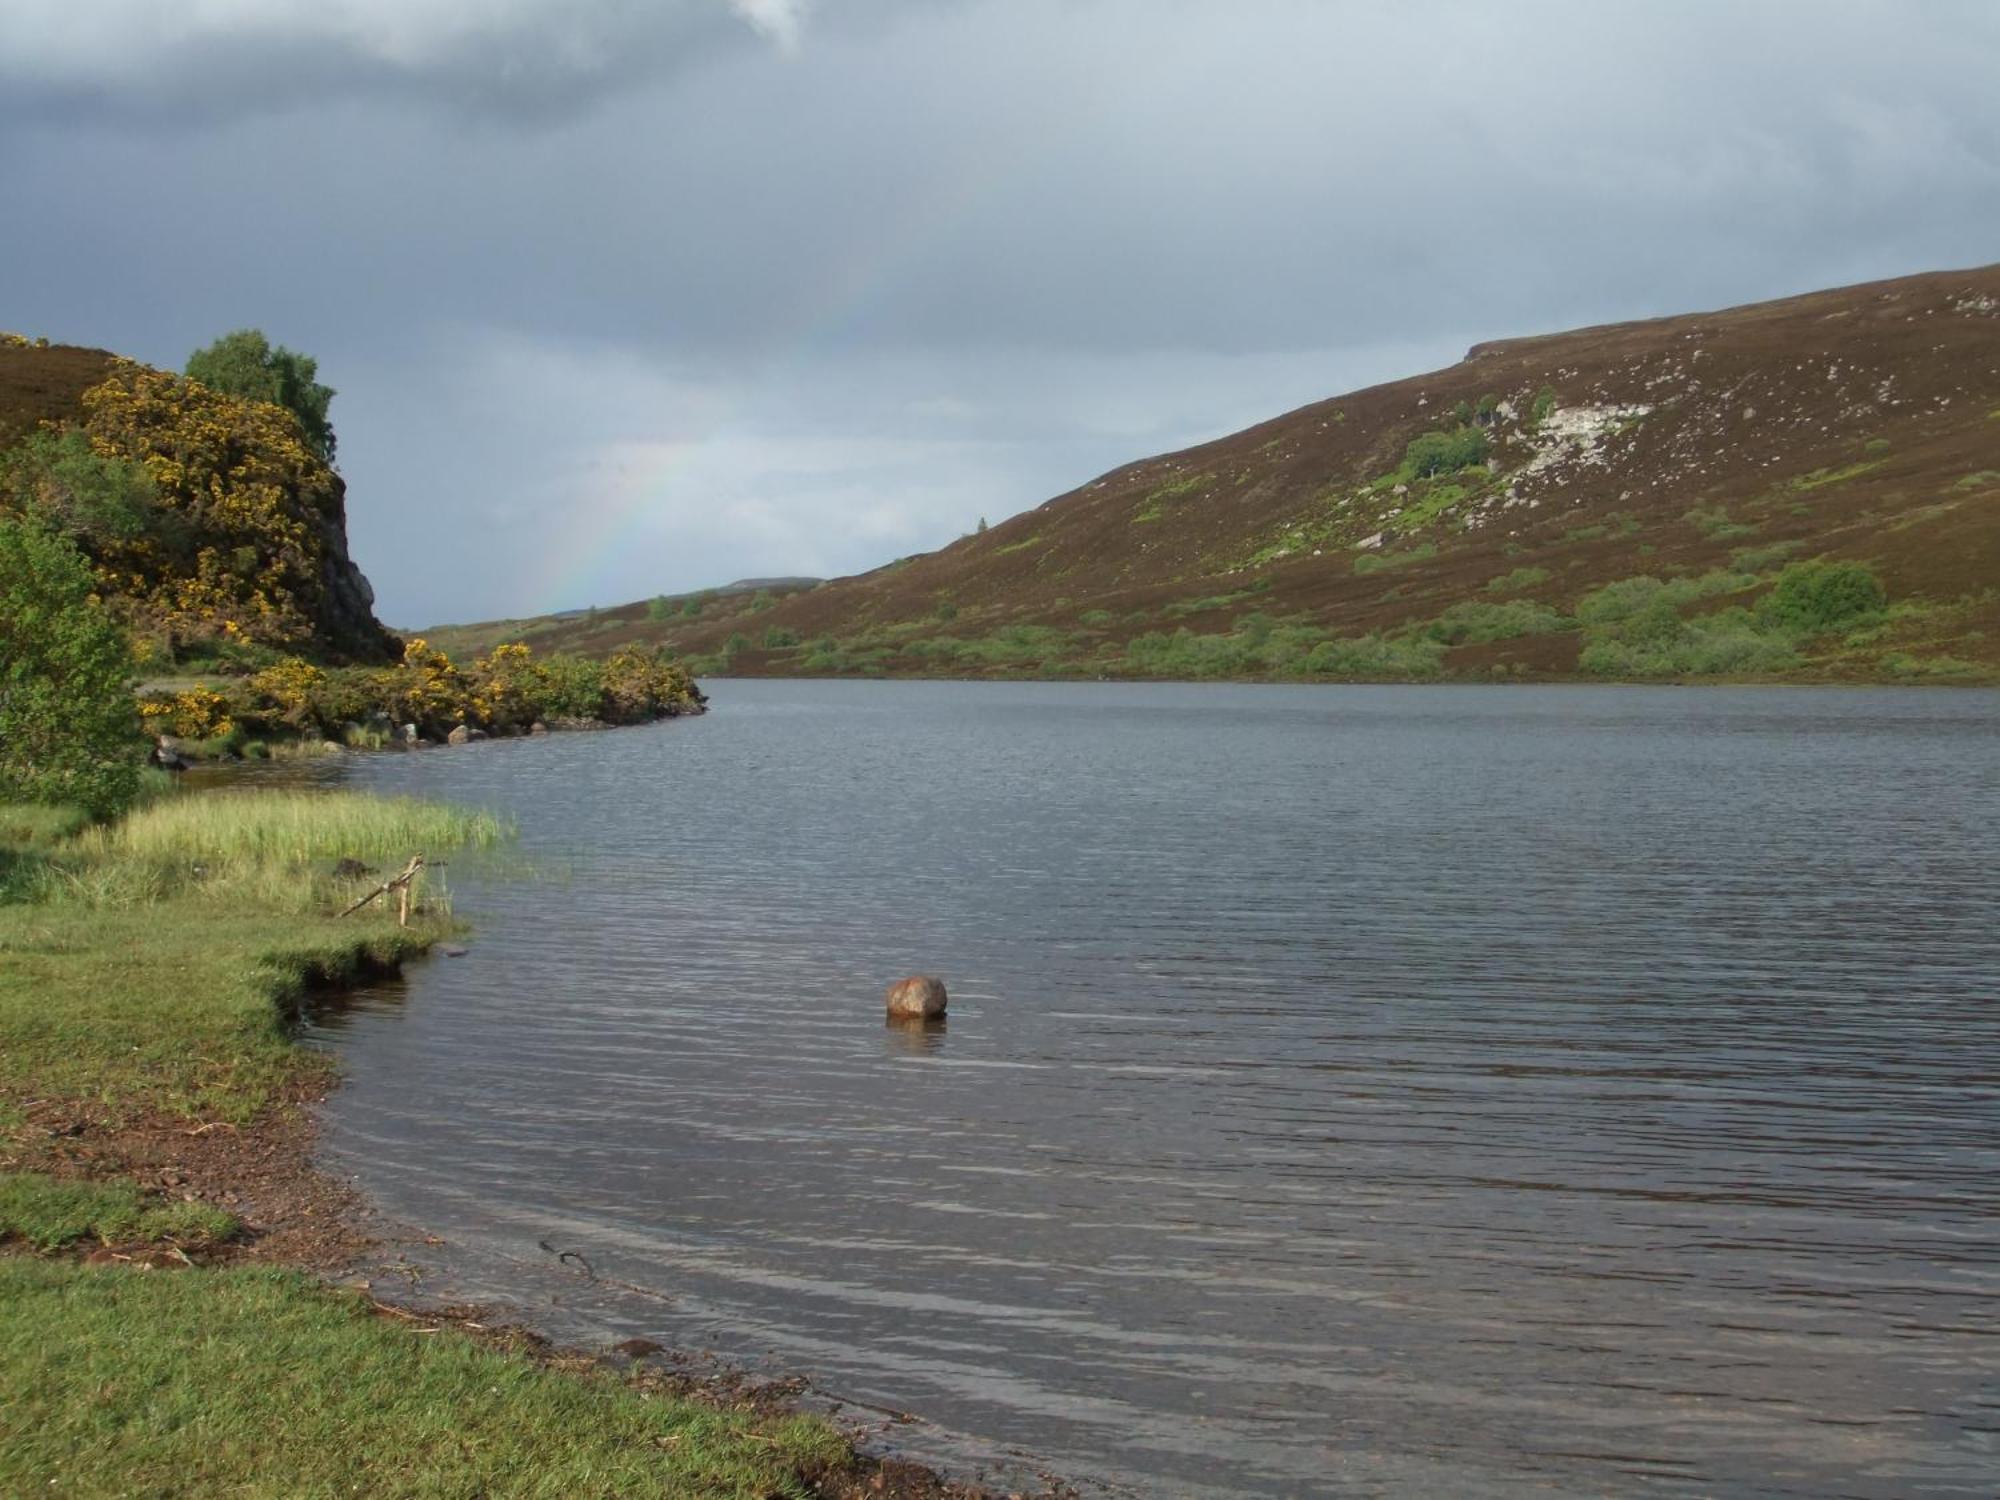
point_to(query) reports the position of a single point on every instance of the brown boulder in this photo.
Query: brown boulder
(919, 997)
(459, 736)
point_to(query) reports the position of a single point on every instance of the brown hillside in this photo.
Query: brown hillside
(1861, 425)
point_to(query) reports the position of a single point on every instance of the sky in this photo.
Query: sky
(628, 297)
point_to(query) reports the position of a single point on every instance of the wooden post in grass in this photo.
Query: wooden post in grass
(401, 885)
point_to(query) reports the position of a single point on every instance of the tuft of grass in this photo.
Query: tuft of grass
(50, 1214)
(297, 826)
(261, 1383)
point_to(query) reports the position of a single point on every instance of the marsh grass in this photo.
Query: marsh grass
(290, 826)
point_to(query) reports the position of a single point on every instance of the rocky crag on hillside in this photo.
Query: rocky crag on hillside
(209, 522)
(1682, 497)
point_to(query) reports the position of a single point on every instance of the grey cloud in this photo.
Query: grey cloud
(933, 259)
(141, 62)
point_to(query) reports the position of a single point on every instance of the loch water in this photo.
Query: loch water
(1346, 1090)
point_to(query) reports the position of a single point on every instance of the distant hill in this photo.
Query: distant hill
(1669, 498)
(227, 532)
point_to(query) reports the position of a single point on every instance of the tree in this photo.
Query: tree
(247, 364)
(68, 727)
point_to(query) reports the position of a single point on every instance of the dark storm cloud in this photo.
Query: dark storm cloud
(762, 287)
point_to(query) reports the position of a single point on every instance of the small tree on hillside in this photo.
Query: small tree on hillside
(69, 732)
(247, 364)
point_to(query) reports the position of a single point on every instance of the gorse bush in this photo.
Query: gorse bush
(68, 732)
(506, 691)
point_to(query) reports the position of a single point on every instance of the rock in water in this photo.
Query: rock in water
(459, 736)
(919, 997)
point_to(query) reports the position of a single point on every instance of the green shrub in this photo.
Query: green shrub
(1815, 597)
(1376, 656)
(1520, 578)
(59, 478)
(69, 731)
(660, 607)
(1476, 620)
(1544, 407)
(1658, 643)
(778, 637)
(1095, 618)
(1633, 596)
(1445, 452)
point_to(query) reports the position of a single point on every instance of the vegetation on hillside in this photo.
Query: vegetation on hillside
(210, 519)
(1849, 429)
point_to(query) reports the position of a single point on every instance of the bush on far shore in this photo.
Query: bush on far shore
(503, 692)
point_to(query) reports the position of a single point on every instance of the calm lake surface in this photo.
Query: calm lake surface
(1371, 1091)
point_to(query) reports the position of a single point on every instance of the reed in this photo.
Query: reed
(267, 827)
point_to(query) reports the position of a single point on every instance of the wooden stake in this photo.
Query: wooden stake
(400, 884)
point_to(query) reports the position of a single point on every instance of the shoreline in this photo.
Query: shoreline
(295, 1215)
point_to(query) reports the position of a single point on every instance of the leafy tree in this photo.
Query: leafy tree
(659, 607)
(68, 727)
(61, 479)
(247, 364)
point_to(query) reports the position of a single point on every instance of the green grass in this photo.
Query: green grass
(296, 826)
(1021, 546)
(259, 1383)
(152, 966)
(50, 1214)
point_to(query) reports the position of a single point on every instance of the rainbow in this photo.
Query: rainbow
(604, 533)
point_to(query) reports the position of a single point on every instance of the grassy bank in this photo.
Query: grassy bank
(150, 972)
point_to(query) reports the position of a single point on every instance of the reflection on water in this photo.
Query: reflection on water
(915, 1037)
(1373, 1091)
